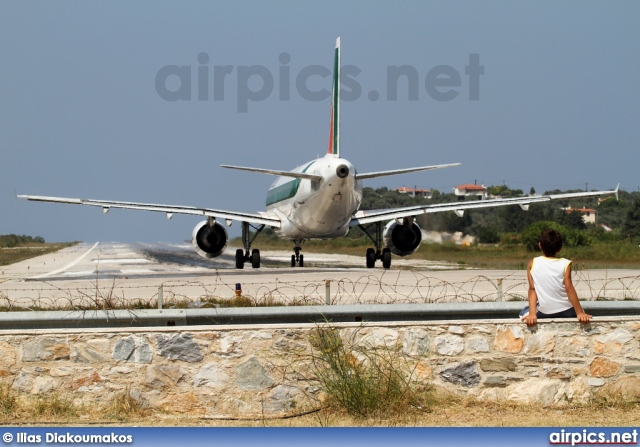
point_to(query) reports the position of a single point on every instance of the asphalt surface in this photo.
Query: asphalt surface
(106, 274)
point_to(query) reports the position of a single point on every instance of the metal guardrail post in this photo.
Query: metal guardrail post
(327, 286)
(499, 297)
(160, 297)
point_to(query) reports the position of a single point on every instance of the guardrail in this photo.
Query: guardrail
(287, 315)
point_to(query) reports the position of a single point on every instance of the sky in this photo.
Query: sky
(538, 94)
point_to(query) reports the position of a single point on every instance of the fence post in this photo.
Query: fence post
(160, 297)
(327, 287)
(499, 297)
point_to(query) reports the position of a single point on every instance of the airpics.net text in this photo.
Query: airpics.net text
(256, 83)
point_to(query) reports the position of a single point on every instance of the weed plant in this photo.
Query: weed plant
(8, 402)
(125, 407)
(54, 406)
(364, 380)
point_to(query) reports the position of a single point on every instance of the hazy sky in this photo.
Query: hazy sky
(80, 115)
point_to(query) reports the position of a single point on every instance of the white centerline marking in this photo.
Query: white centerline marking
(68, 266)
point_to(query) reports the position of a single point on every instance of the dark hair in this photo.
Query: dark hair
(550, 242)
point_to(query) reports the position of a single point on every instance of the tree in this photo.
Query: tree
(570, 236)
(513, 218)
(631, 224)
(573, 219)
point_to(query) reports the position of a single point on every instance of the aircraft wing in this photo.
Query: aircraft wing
(170, 210)
(367, 217)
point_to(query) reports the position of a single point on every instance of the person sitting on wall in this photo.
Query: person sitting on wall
(551, 291)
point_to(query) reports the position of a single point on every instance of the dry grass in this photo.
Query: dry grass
(452, 412)
(17, 254)
(124, 407)
(60, 408)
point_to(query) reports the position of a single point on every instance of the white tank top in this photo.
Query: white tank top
(548, 280)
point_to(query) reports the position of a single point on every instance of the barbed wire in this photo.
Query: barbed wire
(390, 287)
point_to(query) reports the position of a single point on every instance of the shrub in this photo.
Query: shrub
(488, 235)
(364, 380)
(571, 237)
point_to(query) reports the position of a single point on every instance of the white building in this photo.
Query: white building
(415, 192)
(588, 214)
(470, 190)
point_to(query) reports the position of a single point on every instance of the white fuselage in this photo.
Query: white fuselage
(320, 209)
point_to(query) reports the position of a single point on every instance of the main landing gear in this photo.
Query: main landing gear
(376, 254)
(297, 258)
(248, 255)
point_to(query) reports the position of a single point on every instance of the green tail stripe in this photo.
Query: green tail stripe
(335, 106)
(283, 192)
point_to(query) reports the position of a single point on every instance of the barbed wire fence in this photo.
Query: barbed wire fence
(390, 287)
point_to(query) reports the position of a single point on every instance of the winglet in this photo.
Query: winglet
(616, 191)
(334, 129)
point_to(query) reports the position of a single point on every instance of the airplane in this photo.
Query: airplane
(318, 200)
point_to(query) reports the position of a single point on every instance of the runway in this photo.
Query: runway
(115, 274)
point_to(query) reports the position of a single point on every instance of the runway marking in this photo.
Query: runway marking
(68, 266)
(133, 271)
(122, 261)
(84, 273)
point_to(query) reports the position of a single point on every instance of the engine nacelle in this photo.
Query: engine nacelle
(403, 240)
(209, 241)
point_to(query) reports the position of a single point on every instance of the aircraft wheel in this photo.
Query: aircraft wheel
(371, 258)
(239, 258)
(293, 260)
(255, 258)
(386, 258)
(301, 261)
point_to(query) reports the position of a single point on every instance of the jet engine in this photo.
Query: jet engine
(403, 239)
(209, 240)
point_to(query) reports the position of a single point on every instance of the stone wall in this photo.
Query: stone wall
(247, 371)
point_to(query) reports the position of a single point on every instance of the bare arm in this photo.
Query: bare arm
(531, 319)
(573, 296)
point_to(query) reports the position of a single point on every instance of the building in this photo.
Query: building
(588, 214)
(415, 192)
(471, 190)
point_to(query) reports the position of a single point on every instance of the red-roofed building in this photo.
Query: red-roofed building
(415, 192)
(472, 190)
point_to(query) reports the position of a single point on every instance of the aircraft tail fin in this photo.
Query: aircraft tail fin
(334, 130)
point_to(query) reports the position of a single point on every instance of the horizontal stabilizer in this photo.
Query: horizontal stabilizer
(402, 171)
(276, 172)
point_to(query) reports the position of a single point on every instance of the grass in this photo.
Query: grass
(110, 303)
(445, 411)
(8, 402)
(53, 406)
(125, 407)
(28, 251)
(56, 407)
